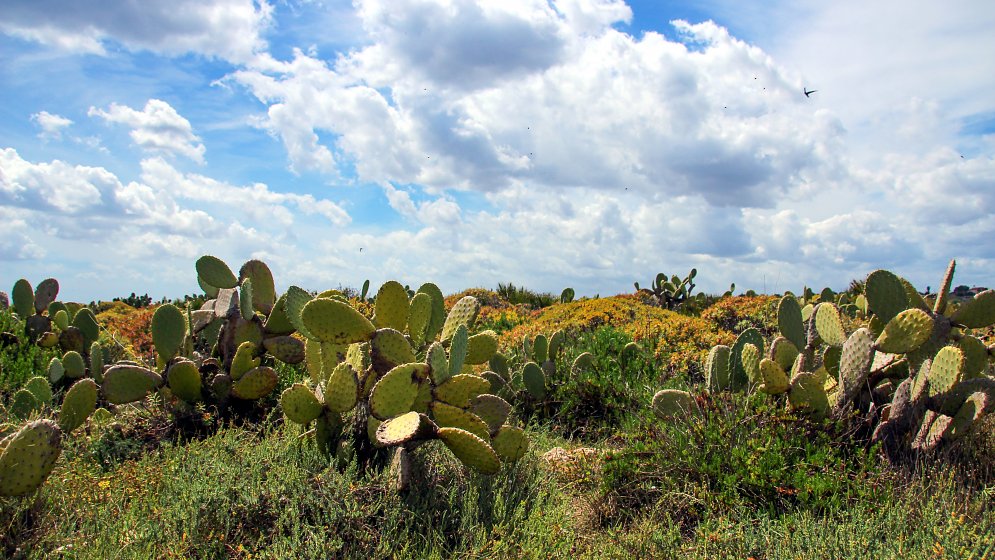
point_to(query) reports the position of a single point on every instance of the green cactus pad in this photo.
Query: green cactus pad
(497, 382)
(128, 383)
(438, 362)
(448, 416)
(391, 307)
(28, 457)
(23, 298)
(920, 382)
(556, 343)
(277, 322)
(738, 377)
(473, 451)
(717, 373)
(978, 312)
(481, 347)
(510, 443)
(56, 371)
(492, 409)
(61, 319)
(905, 332)
(327, 429)
(221, 385)
(184, 381)
(419, 316)
(750, 358)
(886, 295)
(169, 327)
(914, 297)
(789, 321)
(534, 380)
(855, 364)
(458, 346)
(438, 319)
(293, 307)
(464, 312)
(287, 349)
(974, 407)
(424, 397)
(411, 426)
(313, 360)
(74, 364)
(931, 431)
(342, 388)
(299, 404)
(245, 359)
(460, 389)
(245, 308)
(209, 290)
(263, 289)
(248, 331)
(540, 348)
(583, 362)
(975, 356)
(69, 339)
(24, 404)
(390, 348)
(40, 389)
(940, 305)
(670, 404)
(396, 391)
(828, 324)
(214, 272)
(831, 357)
(79, 403)
(775, 380)
(255, 384)
(336, 322)
(499, 365)
(807, 394)
(48, 340)
(946, 371)
(45, 293)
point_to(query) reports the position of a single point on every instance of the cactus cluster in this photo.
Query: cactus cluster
(405, 377)
(670, 293)
(540, 354)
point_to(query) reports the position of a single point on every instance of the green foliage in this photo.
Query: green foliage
(521, 295)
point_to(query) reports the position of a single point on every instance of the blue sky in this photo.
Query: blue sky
(583, 143)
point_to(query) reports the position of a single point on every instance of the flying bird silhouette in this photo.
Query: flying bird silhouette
(808, 92)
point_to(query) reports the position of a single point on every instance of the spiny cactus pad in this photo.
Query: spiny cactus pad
(534, 380)
(905, 332)
(455, 417)
(56, 371)
(419, 316)
(438, 319)
(886, 295)
(127, 383)
(974, 407)
(74, 364)
(473, 451)
(245, 359)
(459, 390)
(184, 380)
(438, 362)
(947, 370)
(263, 290)
(40, 389)
(583, 362)
(481, 347)
(492, 409)
(458, 346)
(23, 297)
(717, 368)
(168, 329)
(510, 443)
(255, 384)
(975, 356)
(342, 388)
(464, 312)
(391, 308)
(775, 380)
(28, 457)
(540, 348)
(215, 272)
(808, 394)
(410, 426)
(287, 349)
(855, 364)
(334, 321)
(750, 359)
(828, 324)
(396, 391)
(670, 404)
(978, 312)
(789, 321)
(299, 404)
(390, 348)
(79, 403)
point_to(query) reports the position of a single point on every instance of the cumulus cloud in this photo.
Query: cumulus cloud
(51, 125)
(230, 29)
(156, 128)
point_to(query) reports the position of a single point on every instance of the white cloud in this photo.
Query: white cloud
(156, 128)
(230, 29)
(51, 125)
(16, 243)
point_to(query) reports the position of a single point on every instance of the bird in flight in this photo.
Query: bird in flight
(808, 92)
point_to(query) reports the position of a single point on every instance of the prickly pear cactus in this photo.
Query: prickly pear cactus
(28, 456)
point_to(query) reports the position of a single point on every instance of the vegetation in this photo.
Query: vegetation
(636, 434)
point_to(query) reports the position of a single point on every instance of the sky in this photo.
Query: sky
(548, 143)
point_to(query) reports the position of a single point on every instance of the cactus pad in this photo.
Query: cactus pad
(497, 382)
(460, 389)
(214, 272)
(48, 340)
(61, 319)
(510, 443)
(717, 368)
(419, 315)
(808, 394)
(583, 362)
(333, 321)
(410, 426)
(299, 404)
(978, 312)
(23, 298)
(40, 389)
(245, 308)
(855, 364)
(56, 371)
(670, 404)
(438, 319)
(389, 349)
(775, 380)
(491, 409)
(473, 451)
(23, 404)
(391, 307)
(79, 403)
(396, 391)
(45, 293)
(168, 330)
(245, 359)
(438, 363)
(28, 457)
(287, 349)
(540, 348)
(263, 290)
(886, 295)
(464, 312)
(534, 380)
(293, 307)
(750, 360)
(905, 332)
(458, 346)
(828, 324)
(127, 383)
(454, 417)
(255, 384)
(342, 388)
(74, 364)
(789, 321)
(974, 407)
(975, 356)
(184, 381)
(947, 370)
(481, 347)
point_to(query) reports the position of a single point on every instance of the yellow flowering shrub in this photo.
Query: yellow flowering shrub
(760, 311)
